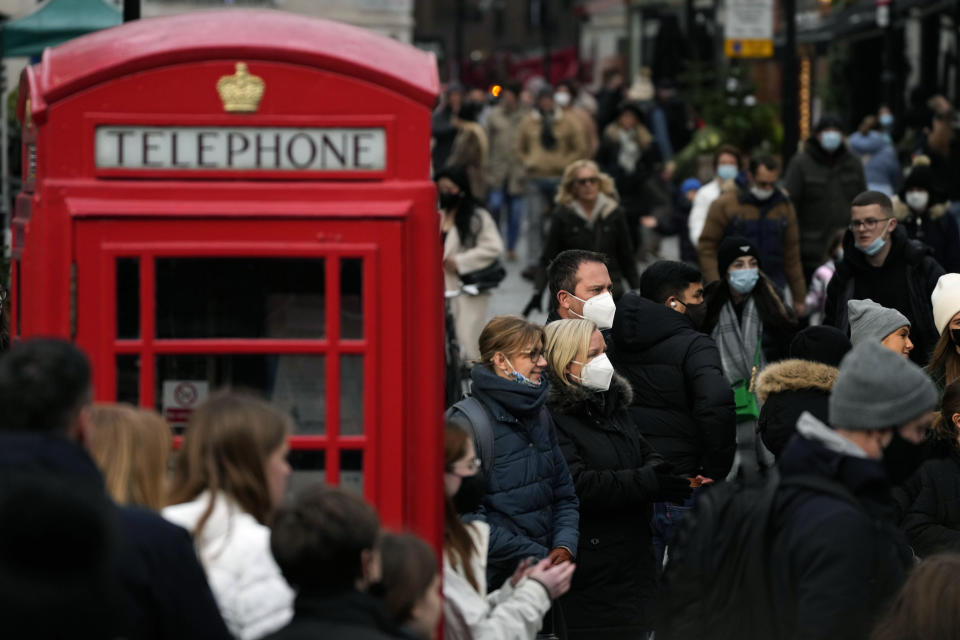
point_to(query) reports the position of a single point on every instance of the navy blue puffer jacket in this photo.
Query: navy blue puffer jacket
(530, 504)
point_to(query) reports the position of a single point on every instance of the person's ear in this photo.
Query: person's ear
(673, 303)
(370, 566)
(500, 361)
(893, 225)
(563, 299)
(956, 419)
(80, 429)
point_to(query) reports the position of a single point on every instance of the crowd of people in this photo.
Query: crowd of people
(806, 347)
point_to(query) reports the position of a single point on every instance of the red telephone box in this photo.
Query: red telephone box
(242, 198)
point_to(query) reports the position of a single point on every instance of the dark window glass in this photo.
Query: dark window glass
(351, 298)
(351, 470)
(351, 395)
(294, 383)
(240, 298)
(128, 379)
(128, 298)
(309, 467)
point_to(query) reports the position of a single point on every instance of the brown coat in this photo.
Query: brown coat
(735, 205)
(542, 163)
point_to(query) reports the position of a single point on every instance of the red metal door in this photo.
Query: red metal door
(302, 311)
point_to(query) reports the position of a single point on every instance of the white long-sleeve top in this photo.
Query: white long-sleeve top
(234, 549)
(701, 204)
(509, 613)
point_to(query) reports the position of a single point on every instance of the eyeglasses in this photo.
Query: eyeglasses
(471, 466)
(585, 181)
(869, 224)
(534, 355)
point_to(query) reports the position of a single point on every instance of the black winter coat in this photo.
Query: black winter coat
(910, 264)
(932, 521)
(608, 234)
(163, 590)
(786, 389)
(350, 615)
(613, 472)
(834, 565)
(682, 402)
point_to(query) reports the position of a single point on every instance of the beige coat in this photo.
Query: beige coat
(503, 127)
(542, 163)
(470, 312)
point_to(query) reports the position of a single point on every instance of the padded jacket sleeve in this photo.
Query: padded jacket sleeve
(925, 529)
(713, 407)
(566, 506)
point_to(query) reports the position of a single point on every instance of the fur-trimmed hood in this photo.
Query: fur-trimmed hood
(794, 375)
(642, 134)
(567, 399)
(902, 212)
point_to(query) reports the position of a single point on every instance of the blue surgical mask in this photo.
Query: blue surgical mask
(831, 140)
(744, 280)
(522, 379)
(886, 120)
(876, 246)
(726, 171)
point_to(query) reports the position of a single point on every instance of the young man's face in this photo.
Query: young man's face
(869, 223)
(592, 279)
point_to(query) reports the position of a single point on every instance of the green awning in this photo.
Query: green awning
(55, 22)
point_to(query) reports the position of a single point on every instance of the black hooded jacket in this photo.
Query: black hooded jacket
(787, 389)
(682, 403)
(834, 564)
(904, 282)
(932, 515)
(613, 470)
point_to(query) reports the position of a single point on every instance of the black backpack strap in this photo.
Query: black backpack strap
(481, 423)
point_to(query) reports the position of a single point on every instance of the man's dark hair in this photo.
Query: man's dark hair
(868, 198)
(44, 383)
(727, 149)
(562, 271)
(317, 540)
(666, 278)
(764, 160)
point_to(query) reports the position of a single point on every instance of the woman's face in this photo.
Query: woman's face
(465, 467)
(899, 342)
(955, 324)
(529, 362)
(277, 471)
(596, 347)
(586, 184)
(743, 262)
(425, 614)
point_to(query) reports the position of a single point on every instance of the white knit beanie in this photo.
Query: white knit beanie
(946, 300)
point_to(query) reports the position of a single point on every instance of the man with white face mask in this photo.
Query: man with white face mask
(580, 287)
(881, 263)
(762, 214)
(820, 180)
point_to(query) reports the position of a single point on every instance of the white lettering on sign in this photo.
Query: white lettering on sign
(241, 148)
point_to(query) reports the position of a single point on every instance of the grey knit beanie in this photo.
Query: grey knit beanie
(877, 388)
(870, 321)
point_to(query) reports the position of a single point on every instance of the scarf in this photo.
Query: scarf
(547, 140)
(594, 213)
(737, 341)
(517, 399)
(629, 150)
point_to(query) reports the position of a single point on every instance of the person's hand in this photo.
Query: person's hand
(450, 265)
(534, 304)
(559, 555)
(674, 488)
(704, 480)
(555, 578)
(649, 222)
(799, 308)
(523, 570)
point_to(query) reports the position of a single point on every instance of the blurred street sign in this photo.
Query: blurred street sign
(748, 29)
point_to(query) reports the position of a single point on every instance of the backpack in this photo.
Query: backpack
(480, 422)
(716, 583)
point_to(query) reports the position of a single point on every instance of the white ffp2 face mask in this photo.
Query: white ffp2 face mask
(598, 309)
(596, 374)
(917, 200)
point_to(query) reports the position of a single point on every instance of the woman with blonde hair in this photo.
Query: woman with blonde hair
(617, 476)
(229, 478)
(131, 446)
(528, 497)
(588, 216)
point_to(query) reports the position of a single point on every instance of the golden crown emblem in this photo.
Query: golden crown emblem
(241, 92)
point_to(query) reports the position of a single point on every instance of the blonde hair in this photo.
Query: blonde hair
(131, 446)
(507, 335)
(567, 340)
(566, 195)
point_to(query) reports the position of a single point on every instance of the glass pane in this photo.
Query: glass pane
(295, 383)
(351, 395)
(309, 467)
(128, 298)
(351, 470)
(240, 298)
(351, 298)
(128, 379)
